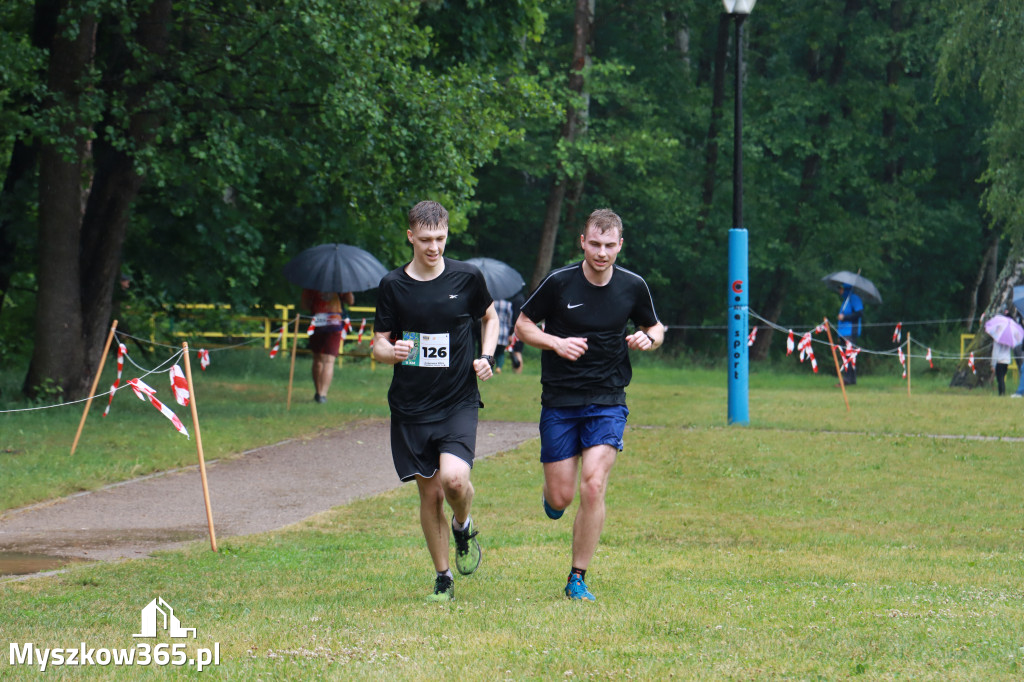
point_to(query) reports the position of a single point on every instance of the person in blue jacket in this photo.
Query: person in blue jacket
(851, 310)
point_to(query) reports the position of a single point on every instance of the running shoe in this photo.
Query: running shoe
(548, 509)
(444, 590)
(577, 589)
(467, 549)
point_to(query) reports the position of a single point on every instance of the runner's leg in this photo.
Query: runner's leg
(432, 519)
(597, 462)
(458, 489)
(560, 482)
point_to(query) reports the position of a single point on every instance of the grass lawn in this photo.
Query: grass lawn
(881, 542)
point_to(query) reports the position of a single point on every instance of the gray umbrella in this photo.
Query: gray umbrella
(861, 285)
(335, 268)
(502, 279)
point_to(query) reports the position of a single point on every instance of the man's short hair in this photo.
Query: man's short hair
(428, 214)
(604, 219)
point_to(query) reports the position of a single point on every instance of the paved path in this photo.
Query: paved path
(258, 491)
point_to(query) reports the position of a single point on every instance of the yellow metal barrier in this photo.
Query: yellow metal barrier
(272, 325)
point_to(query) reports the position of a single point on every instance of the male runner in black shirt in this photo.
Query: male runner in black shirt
(425, 314)
(584, 372)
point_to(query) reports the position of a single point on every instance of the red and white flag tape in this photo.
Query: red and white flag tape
(147, 393)
(511, 342)
(970, 362)
(204, 359)
(929, 358)
(122, 350)
(806, 352)
(903, 361)
(346, 327)
(179, 386)
(311, 328)
(789, 343)
(752, 336)
(362, 328)
(849, 356)
(897, 333)
(277, 344)
(820, 329)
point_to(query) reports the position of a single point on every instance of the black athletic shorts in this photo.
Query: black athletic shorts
(417, 448)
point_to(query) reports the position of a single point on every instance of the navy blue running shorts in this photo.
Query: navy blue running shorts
(566, 431)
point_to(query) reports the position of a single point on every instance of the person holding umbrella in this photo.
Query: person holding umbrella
(851, 310)
(1006, 334)
(426, 311)
(329, 320)
(321, 271)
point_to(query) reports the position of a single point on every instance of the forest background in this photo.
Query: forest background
(198, 146)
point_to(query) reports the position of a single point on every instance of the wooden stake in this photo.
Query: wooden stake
(199, 446)
(835, 359)
(291, 375)
(95, 383)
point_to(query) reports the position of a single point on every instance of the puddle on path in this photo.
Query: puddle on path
(21, 563)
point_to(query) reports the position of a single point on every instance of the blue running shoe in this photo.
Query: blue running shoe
(577, 589)
(549, 510)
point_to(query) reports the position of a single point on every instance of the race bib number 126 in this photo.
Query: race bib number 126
(430, 350)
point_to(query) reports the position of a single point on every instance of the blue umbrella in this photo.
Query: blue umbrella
(1018, 298)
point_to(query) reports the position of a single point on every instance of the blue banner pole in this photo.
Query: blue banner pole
(738, 355)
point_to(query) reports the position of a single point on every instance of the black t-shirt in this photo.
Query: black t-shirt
(569, 305)
(439, 314)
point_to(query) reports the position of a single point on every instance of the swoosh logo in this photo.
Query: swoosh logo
(570, 306)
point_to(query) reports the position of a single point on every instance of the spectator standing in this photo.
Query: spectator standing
(329, 319)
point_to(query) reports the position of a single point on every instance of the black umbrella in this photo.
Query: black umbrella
(502, 279)
(335, 268)
(862, 285)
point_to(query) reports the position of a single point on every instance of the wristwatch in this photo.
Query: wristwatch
(648, 336)
(489, 359)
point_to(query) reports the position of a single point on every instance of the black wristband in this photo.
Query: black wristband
(489, 359)
(648, 336)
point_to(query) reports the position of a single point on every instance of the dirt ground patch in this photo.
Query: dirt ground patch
(258, 491)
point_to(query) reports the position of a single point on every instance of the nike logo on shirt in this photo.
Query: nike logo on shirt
(570, 306)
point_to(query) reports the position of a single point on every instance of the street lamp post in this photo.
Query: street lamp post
(739, 358)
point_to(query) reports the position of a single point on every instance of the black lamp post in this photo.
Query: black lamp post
(739, 358)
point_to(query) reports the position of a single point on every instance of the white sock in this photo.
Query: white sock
(457, 526)
(447, 573)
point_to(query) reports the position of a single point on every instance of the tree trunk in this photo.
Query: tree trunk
(711, 143)
(983, 282)
(1011, 275)
(15, 195)
(80, 251)
(115, 186)
(58, 357)
(583, 23)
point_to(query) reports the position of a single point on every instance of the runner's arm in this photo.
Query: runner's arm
(389, 353)
(647, 338)
(488, 342)
(569, 348)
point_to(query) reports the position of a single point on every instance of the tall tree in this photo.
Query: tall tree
(575, 123)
